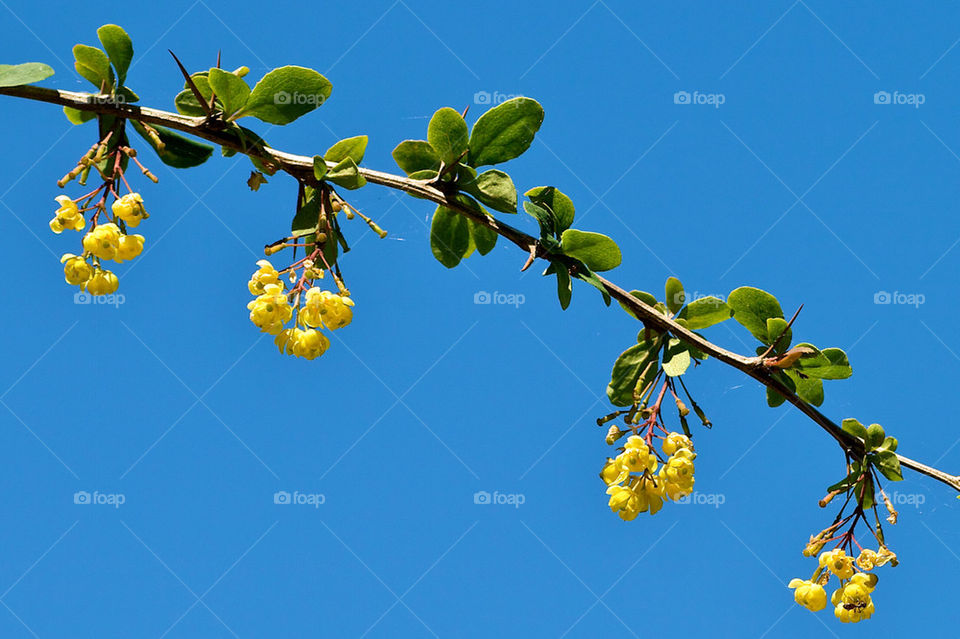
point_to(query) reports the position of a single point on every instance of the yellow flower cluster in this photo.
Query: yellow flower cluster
(271, 310)
(104, 242)
(851, 601)
(644, 491)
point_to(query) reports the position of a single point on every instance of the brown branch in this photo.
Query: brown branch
(301, 167)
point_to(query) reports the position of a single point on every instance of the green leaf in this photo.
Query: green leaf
(232, 91)
(774, 398)
(308, 216)
(177, 151)
(543, 216)
(564, 285)
(76, 116)
(12, 75)
(854, 427)
(119, 48)
(285, 94)
(830, 363)
(888, 464)
(875, 436)
(449, 236)
(353, 148)
(448, 134)
(627, 371)
(413, 156)
(591, 278)
(483, 237)
(752, 308)
(346, 174)
(889, 443)
(186, 102)
(505, 131)
(644, 297)
(552, 198)
(319, 167)
(94, 65)
(675, 295)
(809, 389)
(495, 189)
(777, 326)
(676, 359)
(595, 250)
(704, 313)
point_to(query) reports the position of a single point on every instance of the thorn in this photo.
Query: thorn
(533, 256)
(190, 83)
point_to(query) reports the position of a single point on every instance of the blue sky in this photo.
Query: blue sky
(798, 183)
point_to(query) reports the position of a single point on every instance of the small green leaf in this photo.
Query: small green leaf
(177, 151)
(231, 90)
(413, 156)
(675, 295)
(564, 286)
(319, 167)
(875, 436)
(308, 216)
(774, 398)
(777, 326)
(495, 189)
(552, 198)
(704, 312)
(285, 94)
(353, 148)
(346, 174)
(676, 359)
(752, 308)
(448, 134)
(588, 276)
(888, 464)
(543, 216)
(595, 250)
(809, 389)
(12, 75)
(627, 370)
(119, 48)
(94, 65)
(449, 236)
(889, 443)
(76, 116)
(830, 363)
(505, 131)
(484, 238)
(854, 427)
(644, 297)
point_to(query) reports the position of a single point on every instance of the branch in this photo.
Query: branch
(301, 167)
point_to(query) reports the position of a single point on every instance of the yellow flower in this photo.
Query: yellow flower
(129, 247)
(624, 502)
(676, 475)
(885, 556)
(323, 308)
(129, 208)
(103, 241)
(310, 344)
(867, 559)
(853, 603)
(675, 441)
(68, 216)
(76, 270)
(271, 310)
(613, 472)
(266, 274)
(102, 282)
(636, 457)
(808, 594)
(838, 563)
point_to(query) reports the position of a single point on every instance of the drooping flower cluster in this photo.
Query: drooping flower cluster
(105, 241)
(637, 482)
(851, 601)
(314, 309)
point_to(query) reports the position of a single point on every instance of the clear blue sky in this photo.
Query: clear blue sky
(798, 183)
